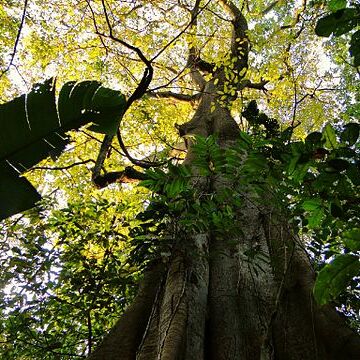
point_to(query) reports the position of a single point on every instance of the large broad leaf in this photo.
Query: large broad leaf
(355, 47)
(33, 127)
(338, 23)
(351, 133)
(314, 139)
(335, 277)
(329, 136)
(352, 239)
(335, 5)
(16, 193)
(315, 212)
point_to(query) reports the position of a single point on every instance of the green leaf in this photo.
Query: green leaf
(292, 163)
(174, 187)
(16, 193)
(300, 171)
(351, 132)
(87, 101)
(338, 164)
(335, 277)
(339, 22)
(329, 136)
(352, 239)
(335, 5)
(312, 205)
(315, 212)
(297, 147)
(336, 210)
(23, 128)
(353, 173)
(245, 138)
(32, 128)
(255, 163)
(314, 138)
(355, 47)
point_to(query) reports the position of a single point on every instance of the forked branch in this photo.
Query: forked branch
(137, 94)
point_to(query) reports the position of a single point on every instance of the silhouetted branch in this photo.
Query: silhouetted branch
(137, 94)
(248, 84)
(194, 53)
(193, 18)
(128, 175)
(16, 40)
(142, 163)
(175, 96)
(62, 167)
(104, 149)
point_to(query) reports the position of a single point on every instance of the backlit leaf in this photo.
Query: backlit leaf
(338, 23)
(335, 277)
(329, 136)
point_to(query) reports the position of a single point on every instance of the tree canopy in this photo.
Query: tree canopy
(94, 151)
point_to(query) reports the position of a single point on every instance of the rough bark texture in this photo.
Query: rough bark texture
(124, 339)
(213, 303)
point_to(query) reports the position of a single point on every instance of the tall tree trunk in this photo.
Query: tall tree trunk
(211, 302)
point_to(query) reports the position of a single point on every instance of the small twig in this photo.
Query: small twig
(142, 163)
(177, 76)
(137, 94)
(96, 27)
(350, 64)
(62, 167)
(298, 102)
(182, 31)
(174, 96)
(148, 73)
(100, 141)
(16, 40)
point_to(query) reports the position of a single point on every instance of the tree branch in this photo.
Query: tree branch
(148, 72)
(174, 96)
(128, 175)
(269, 8)
(194, 62)
(296, 20)
(142, 163)
(104, 149)
(16, 40)
(248, 84)
(137, 94)
(189, 25)
(62, 167)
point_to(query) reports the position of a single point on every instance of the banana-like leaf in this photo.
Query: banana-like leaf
(33, 127)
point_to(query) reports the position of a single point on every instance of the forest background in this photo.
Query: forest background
(72, 264)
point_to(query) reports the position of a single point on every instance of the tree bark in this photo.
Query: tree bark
(214, 303)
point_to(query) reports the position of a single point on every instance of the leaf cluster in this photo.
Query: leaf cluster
(342, 20)
(29, 135)
(65, 280)
(316, 181)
